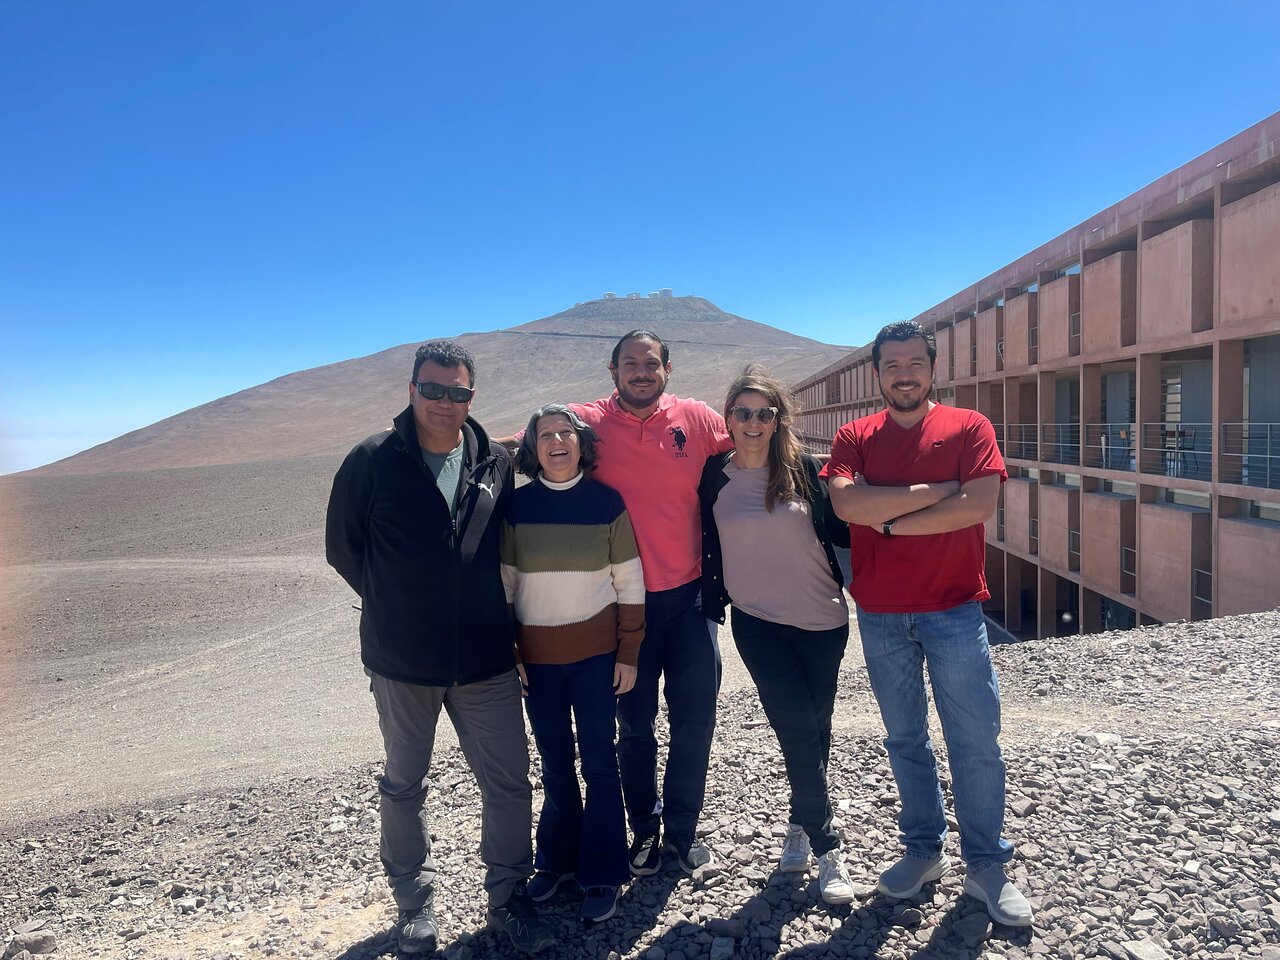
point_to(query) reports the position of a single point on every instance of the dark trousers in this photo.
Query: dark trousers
(589, 841)
(679, 648)
(796, 672)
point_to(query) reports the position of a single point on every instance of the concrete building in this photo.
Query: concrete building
(1131, 367)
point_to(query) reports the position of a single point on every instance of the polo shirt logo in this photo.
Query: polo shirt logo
(678, 435)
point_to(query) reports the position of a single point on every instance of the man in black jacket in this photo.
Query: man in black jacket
(413, 526)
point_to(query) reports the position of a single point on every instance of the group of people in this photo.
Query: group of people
(580, 592)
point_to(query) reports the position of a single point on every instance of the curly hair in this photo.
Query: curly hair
(527, 453)
(787, 479)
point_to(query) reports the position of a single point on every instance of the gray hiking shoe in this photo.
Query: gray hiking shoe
(906, 877)
(1003, 900)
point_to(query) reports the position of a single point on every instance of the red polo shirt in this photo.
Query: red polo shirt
(656, 465)
(933, 572)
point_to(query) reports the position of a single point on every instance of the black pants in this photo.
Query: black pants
(796, 672)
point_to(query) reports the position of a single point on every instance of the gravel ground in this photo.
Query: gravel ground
(1142, 794)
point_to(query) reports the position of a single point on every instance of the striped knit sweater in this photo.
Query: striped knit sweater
(572, 572)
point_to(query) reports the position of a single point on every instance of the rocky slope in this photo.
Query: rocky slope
(1143, 796)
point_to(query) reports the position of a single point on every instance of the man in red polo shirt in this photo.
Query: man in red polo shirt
(916, 482)
(654, 446)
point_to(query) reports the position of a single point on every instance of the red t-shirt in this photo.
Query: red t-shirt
(927, 573)
(656, 465)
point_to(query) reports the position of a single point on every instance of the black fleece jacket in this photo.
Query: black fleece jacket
(831, 530)
(433, 608)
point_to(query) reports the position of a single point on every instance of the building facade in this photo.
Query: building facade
(1131, 367)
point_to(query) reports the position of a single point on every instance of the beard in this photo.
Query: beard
(631, 399)
(909, 406)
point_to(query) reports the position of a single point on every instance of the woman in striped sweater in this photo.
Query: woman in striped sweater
(573, 577)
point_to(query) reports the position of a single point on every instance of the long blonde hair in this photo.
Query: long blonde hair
(787, 479)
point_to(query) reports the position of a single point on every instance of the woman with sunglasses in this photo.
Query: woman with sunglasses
(768, 535)
(573, 577)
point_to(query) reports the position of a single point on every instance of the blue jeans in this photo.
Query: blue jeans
(678, 647)
(954, 645)
(589, 841)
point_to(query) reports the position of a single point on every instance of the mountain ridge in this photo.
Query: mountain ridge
(325, 410)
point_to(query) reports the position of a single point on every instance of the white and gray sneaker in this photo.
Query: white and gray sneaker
(795, 850)
(833, 882)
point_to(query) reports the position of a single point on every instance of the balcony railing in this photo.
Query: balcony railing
(1073, 543)
(1033, 344)
(1060, 442)
(1033, 535)
(1129, 561)
(1109, 445)
(1022, 441)
(1073, 334)
(1178, 449)
(1000, 522)
(1251, 454)
(817, 446)
(1202, 592)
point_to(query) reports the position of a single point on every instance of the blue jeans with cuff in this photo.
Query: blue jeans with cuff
(588, 840)
(953, 644)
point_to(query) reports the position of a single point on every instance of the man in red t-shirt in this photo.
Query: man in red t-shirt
(916, 482)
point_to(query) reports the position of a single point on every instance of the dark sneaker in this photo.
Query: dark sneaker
(519, 919)
(692, 857)
(600, 903)
(645, 855)
(906, 877)
(545, 883)
(416, 930)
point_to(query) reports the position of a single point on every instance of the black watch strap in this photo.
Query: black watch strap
(888, 527)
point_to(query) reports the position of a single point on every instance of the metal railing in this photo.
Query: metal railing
(1251, 454)
(1000, 521)
(1022, 441)
(1073, 334)
(1060, 442)
(1033, 535)
(1202, 585)
(1073, 543)
(1033, 344)
(1109, 445)
(1178, 449)
(1202, 592)
(1129, 561)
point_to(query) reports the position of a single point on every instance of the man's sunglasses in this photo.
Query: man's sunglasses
(434, 391)
(744, 414)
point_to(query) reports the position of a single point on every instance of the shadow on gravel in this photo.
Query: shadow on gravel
(374, 945)
(955, 937)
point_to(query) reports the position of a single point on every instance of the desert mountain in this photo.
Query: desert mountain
(561, 358)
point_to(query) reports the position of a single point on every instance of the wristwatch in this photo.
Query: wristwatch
(888, 527)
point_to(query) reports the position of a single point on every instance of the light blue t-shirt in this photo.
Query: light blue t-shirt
(447, 469)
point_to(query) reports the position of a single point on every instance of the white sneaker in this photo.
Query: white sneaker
(833, 882)
(795, 850)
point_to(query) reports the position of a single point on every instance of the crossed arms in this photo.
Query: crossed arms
(919, 509)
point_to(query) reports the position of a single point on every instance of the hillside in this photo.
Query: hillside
(325, 410)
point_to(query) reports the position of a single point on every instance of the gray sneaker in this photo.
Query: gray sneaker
(1003, 900)
(796, 850)
(906, 877)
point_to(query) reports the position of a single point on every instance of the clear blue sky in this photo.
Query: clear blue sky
(195, 198)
